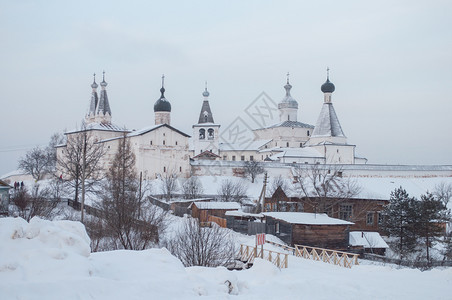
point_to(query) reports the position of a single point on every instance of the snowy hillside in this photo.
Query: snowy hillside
(51, 260)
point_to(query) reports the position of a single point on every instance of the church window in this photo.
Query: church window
(210, 134)
(224, 157)
(108, 147)
(163, 134)
(233, 157)
(251, 158)
(287, 144)
(150, 143)
(180, 169)
(163, 142)
(308, 133)
(242, 157)
(176, 143)
(337, 150)
(164, 169)
(202, 134)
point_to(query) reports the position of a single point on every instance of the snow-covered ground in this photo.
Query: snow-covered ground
(52, 260)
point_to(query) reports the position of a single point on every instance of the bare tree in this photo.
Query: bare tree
(192, 188)
(324, 187)
(232, 191)
(128, 217)
(80, 162)
(169, 184)
(202, 246)
(55, 140)
(277, 182)
(35, 163)
(34, 203)
(443, 192)
(253, 168)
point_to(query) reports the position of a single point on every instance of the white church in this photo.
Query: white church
(161, 148)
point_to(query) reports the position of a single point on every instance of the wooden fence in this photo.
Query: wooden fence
(249, 253)
(338, 258)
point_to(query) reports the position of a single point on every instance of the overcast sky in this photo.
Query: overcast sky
(391, 63)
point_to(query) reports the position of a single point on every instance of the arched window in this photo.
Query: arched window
(287, 144)
(210, 134)
(163, 142)
(202, 134)
(164, 169)
(308, 133)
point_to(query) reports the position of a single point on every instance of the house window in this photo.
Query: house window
(380, 219)
(267, 207)
(202, 134)
(251, 158)
(224, 157)
(242, 157)
(370, 218)
(301, 145)
(210, 134)
(345, 211)
(340, 172)
(233, 157)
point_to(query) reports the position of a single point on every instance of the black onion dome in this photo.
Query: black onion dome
(328, 87)
(162, 104)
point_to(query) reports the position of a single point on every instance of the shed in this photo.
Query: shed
(309, 229)
(202, 210)
(368, 242)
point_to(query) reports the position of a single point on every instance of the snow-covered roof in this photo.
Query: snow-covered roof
(100, 126)
(151, 128)
(217, 205)
(297, 153)
(328, 123)
(307, 218)
(253, 146)
(289, 124)
(367, 239)
(238, 213)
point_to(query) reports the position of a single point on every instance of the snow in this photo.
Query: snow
(307, 218)
(367, 239)
(217, 205)
(235, 213)
(51, 260)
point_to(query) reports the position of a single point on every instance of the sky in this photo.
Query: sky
(390, 61)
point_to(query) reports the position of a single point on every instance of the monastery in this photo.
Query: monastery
(161, 148)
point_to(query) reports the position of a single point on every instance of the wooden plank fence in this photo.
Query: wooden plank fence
(249, 253)
(339, 258)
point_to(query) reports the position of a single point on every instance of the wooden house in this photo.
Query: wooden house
(309, 229)
(364, 213)
(202, 210)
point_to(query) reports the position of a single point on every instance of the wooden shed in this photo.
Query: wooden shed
(202, 210)
(309, 229)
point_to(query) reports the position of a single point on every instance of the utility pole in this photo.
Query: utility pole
(262, 195)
